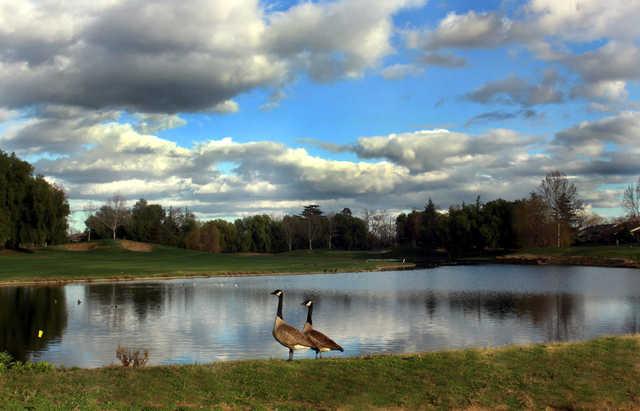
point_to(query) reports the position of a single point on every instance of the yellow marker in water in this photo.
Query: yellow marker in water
(40, 333)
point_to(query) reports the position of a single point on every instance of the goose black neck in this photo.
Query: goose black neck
(279, 314)
(309, 312)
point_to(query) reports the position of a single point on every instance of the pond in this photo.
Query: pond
(213, 319)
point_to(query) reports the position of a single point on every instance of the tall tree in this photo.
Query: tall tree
(312, 214)
(33, 212)
(631, 200)
(561, 197)
(147, 222)
(431, 237)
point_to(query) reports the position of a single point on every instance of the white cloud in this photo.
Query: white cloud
(225, 107)
(398, 71)
(610, 90)
(149, 123)
(469, 30)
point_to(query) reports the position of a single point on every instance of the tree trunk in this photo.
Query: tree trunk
(114, 234)
(558, 232)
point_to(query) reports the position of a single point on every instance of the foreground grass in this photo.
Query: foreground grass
(112, 261)
(604, 373)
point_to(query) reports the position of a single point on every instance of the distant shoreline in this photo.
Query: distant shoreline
(161, 277)
(568, 260)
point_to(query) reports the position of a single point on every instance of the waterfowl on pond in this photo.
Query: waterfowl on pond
(286, 334)
(322, 342)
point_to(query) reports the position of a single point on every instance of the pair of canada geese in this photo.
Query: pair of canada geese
(294, 339)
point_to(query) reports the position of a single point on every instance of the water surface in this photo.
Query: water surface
(204, 320)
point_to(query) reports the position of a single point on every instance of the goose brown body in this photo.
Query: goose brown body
(321, 342)
(287, 335)
(290, 336)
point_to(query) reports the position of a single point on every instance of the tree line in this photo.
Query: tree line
(33, 212)
(146, 222)
(549, 217)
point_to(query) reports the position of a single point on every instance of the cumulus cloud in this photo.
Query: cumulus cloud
(470, 30)
(149, 123)
(102, 156)
(614, 60)
(548, 28)
(171, 57)
(623, 129)
(609, 90)
(584, 20)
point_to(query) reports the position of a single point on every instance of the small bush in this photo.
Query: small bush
(7, 363)
(130, 358)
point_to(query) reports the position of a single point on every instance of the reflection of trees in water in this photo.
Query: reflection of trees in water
(24, 311)
(144, 299)
(556, 313)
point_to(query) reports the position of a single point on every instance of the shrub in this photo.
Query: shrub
(130, 358)
(7, 363)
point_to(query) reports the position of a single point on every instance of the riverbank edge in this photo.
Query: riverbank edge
(569, 260)
(177, 276)
(603, 373)
(514, 259)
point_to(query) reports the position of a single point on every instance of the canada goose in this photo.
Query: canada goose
(287, 335)
(322, 342)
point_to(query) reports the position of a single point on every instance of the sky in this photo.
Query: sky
(233, 108)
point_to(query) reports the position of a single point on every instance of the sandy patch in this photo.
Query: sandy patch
(136, 246)
(79, 246)
(8, 252)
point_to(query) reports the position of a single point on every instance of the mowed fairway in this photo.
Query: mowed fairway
(110, 260)
(599, 374)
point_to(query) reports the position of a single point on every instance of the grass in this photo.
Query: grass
(110, 261)
(599, 374)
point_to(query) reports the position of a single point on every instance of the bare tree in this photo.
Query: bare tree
(289, 226)
(331, 228)
(382, 227)
(313, 215)
(631, 200)
(113, 214)
(89, 208)
(561, 197)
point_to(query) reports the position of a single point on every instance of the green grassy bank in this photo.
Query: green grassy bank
(110, 260)
(599, 374)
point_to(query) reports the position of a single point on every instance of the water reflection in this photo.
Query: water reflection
(26, 310)
(202, 320)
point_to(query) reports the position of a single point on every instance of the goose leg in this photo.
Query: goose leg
(290, 354)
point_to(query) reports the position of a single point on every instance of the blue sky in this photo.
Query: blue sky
(259, 106)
